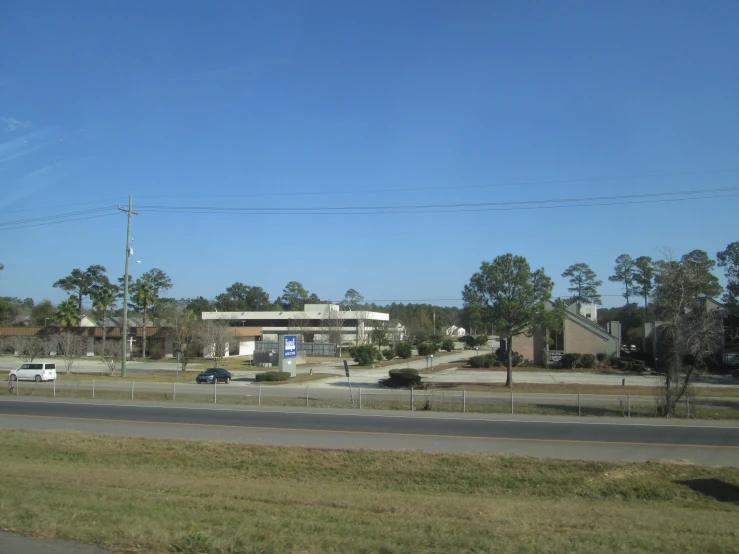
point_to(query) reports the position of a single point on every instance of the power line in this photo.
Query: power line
(56, 216)
(41, 208)
(431, 211)
(445, 206)
(75, 220)
(457, 187)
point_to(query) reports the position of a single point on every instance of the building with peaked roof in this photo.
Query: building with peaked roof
(579, 334)
(454, 331)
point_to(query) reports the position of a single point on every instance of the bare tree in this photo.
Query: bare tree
(361, 327)
(181, 329)
(71, 348)
(109, 353)
(693, 328)
(215, 338)
(332, 325)
(29, 348)
(301, 326)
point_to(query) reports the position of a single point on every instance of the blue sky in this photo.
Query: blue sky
(332, 104)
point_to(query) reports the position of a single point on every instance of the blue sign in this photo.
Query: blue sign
(290, 346)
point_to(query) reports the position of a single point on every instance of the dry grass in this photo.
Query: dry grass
(573, 388)
(143, 495)
(302, 378)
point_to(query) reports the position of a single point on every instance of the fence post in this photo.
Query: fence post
(259, 402)
(360, 398)
(412, 399)
(579, 408)
(93, 388)
(464, 401)
(511, 400)
(628, 404)
(132, 386)
(306, 396)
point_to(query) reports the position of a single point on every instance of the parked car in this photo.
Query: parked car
(33, 372)
(218, 373)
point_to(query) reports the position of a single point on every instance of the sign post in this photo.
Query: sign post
(287, 354)
(346, 370)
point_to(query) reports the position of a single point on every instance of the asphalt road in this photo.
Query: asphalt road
(706, 443)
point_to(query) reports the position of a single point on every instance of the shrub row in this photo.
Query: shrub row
(272, 376)
(401, 378)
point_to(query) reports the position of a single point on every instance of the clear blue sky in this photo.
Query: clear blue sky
(294, 104)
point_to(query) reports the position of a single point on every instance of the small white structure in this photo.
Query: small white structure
(455, 331)
(590, 311)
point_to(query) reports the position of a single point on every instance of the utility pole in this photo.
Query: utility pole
(124, 328)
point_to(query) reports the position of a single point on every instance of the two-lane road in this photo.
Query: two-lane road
(710, 443)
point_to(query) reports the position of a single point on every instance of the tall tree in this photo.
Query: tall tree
(199, 305)
(644, 279)
(703, 266)
(240, 298)
(584, 284)
(623, 272)
(43, 313)
(294, 297)
(352, 300)
(511, 296)
(103, 299)
(67, 313)
(691, 330)
(81, 283)
(729, 260)
(145, 292)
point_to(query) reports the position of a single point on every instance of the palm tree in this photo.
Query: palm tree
(143, 296)
(104, 297)
(67, 313)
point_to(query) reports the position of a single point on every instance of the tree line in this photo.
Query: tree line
(517, 300)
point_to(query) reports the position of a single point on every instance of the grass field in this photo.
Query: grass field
(143, 495)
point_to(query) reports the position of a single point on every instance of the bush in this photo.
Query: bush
(403, 378)
(272, 376)
(517, 359)
(365, 354)
(638, 365)
(571, 361)
(156, 351)
(427, 348)
(404, 350)
(587, 361)
(480, 362)
(497, 363)
(601, 357)
(389, 353)
(448, 345)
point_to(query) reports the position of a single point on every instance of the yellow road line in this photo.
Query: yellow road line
(381, 433)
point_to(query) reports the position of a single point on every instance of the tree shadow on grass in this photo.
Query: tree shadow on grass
(716, 488)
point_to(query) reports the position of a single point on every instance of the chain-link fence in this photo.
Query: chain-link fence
(438, 400)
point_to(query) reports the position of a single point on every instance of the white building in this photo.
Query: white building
(455, 331)
(590, 311)
(316, 322)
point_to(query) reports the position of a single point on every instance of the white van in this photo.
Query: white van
(34, 372)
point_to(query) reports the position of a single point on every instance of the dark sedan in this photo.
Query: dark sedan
(213, 374)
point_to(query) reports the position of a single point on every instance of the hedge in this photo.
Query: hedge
(406, 377)
(272, 376)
